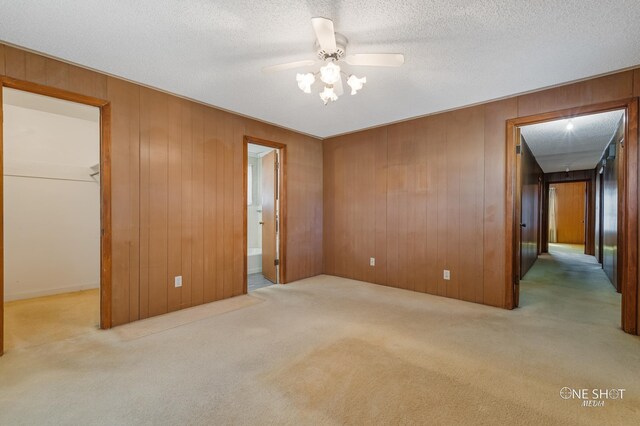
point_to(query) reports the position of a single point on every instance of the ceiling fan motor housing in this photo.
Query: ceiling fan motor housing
(341, 49)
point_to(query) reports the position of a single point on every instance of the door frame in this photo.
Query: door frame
(282, 200)
(544, 205)
(600, 236)
(105, 190)
(627, 202)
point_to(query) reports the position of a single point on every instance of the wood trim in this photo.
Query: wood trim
(105, 218)
(283, 203)
(245, 168)
(27, 86)
(1, 221)
(105, 191)
(629, 201)
(629, 230)
(571, 112)
(512, 272)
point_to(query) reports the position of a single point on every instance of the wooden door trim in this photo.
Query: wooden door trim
(282, 200)
(628, 199)
(590, 190)
(105, 190)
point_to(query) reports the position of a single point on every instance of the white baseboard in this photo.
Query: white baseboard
(254, 271)
(9, 296)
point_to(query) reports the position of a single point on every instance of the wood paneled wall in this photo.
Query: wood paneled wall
(611, 180)
(177, 196)
(530, 211)
(636, 92)
(570, 217)
(428, 194)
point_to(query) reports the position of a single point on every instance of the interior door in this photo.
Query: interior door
(600, 215)
(530, 184)
(269, 216)
(518, 221)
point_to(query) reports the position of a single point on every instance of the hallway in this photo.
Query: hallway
(571, 286)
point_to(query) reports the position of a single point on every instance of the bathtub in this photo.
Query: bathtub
(254, 260)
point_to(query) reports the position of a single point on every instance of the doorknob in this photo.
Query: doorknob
(523, 225)
(260, 223)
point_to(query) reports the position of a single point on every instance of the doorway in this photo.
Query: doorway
(264, 218)
(567, 212)
(55, 214)
(565, 152)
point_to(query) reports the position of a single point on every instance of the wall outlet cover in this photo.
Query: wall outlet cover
(372, 261)
(446, 275)
(178, 281)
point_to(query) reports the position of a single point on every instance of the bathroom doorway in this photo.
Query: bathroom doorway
(264, 208)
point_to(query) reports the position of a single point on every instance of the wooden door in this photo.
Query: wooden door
(598, 217)
(269, 215)
(517, 258)
(529, 186)
(570, 219)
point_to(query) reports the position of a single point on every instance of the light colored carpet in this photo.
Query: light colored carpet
(41, 320)
(333, 351)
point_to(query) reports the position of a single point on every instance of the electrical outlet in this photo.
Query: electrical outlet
(372, 261)
(177, 281)
(446, 275)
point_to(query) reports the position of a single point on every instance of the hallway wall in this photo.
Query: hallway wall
(428, 194)
(177, 195)
(611, 178)
(254, 210)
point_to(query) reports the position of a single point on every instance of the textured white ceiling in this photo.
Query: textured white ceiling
(580, 148)
(457, 52)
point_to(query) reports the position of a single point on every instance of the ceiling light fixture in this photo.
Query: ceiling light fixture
(328, 95)
(331, 47)
(305, 81)
(330, 73)
(569, 125)
(356, 83)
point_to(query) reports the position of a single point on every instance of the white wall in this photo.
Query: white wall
(51, 203)
(254, 211)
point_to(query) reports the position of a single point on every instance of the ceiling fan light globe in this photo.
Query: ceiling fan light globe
(330, 73)
(356, 83)
(305, 81)
(328, 95)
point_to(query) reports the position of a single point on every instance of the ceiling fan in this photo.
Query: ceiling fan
(331, 48)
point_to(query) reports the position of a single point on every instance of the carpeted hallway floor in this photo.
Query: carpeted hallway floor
(328, 350)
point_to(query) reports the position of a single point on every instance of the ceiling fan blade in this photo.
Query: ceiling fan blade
(376, 59)
(325, 33)
(337, 87)
(288, 66)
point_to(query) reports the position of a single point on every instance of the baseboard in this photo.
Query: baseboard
(254, 271)
(8, 297)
